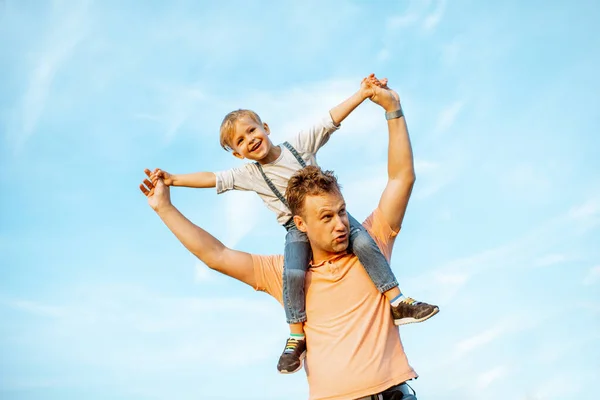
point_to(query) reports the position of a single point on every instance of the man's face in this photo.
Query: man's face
(326, 223)
(250, 139)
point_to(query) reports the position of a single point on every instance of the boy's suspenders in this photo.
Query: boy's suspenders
(268, 181)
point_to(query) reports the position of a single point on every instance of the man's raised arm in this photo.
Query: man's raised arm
(202, 244)
(401, 169)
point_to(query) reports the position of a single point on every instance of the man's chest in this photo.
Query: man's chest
(339, 290)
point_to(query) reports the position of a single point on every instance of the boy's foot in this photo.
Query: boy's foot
(293, 356)
(409, 311)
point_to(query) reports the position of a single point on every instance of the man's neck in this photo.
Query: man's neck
(321, 256)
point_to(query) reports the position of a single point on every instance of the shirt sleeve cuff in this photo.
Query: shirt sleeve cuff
(385, 227)
(259, 285)
(330, 124)
(224, 181)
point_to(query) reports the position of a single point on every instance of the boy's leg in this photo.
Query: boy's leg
(405, 310)
(297, 256)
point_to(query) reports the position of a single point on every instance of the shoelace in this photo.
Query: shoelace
(291, 345)
(410, 301)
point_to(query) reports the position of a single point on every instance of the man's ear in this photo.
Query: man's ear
(238, 155)
(300, 223)
(267, 128)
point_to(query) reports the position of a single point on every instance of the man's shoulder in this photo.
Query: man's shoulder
(268, 273)
(381, 231)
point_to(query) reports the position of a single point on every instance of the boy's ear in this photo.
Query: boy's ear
(238, 155)
(266, 128)
(300, 223)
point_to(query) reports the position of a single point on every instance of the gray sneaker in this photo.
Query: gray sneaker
(292, 357)
(410, 311)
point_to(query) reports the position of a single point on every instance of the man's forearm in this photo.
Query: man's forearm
(342, 110)
(400, 156)
(199, 242)
(195, 180)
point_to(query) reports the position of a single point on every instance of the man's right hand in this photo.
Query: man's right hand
(385, 97)
(156, 191)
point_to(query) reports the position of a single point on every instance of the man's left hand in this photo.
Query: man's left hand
(158, 194)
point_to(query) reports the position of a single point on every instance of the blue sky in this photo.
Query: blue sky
(99, 301)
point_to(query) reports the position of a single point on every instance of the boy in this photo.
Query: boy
(243, 133)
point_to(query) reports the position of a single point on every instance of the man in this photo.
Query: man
(353, 347)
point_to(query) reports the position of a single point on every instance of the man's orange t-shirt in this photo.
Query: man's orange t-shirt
(353, 347)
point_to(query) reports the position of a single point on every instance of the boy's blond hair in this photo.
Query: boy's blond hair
(228, 125)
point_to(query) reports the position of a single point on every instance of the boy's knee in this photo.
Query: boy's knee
(362, 241)
(295, 235)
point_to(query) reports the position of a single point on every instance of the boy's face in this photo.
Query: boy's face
(325, 222)
(250, 139)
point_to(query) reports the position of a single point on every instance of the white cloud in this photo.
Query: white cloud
(586, 215)
(418, 13)
(37, 308)
(433, 19)
(434, 176)
(551, 259)
(590, 305)
(526, 179)
(180, 105)
(589, 209)
(162, 343)
(488, 377)
(446, 278)
(383, 55)
(241, 212)
(371, 181)
(448, 284)
(423, 166)
(481, 339)
(59, 44)
(193, 329)
(395, 22)
(203, 274)
(592, 276)
(450, 52)
(517, 253)
(448, 116)
(557, 349)
(550, 390)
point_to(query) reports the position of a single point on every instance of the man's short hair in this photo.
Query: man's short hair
(228, 125)
(309, 181)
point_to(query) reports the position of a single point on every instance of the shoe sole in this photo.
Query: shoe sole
(285, 372)
(406, 321)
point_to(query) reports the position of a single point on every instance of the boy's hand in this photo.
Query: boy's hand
(367, 86)
(339, 113)
(166, 177)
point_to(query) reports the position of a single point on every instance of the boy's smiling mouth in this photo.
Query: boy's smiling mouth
(256, 146)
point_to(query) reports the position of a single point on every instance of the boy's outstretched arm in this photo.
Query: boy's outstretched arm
(342, 110)
(207, 248)
(193, 180)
